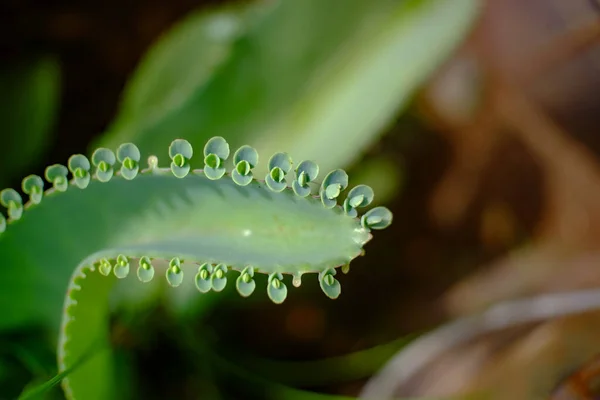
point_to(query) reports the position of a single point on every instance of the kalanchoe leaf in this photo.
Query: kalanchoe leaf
(244, 284)
(259, 233)
(273, 184)
(280, 165)
(306, 172)
(297, 279)
(356, 201)
(214, 173)
(300, 185)
(216, 151)
(205, 208)
(281, 160)
(217, 145)
(277, 174)
(276, 289)
(248, 154)
(334, 183)
(377, 218)
(333, 191)
(57, 175)
(212, 161)
(153, 162)
(310, 170)
(104, 160)
(105, 267)
(337, 176)
(145, 270)
(180, 152)
(203, 278)
(242, 179)
(359, 196)
(33, 186)
(174, 273)
(218, 278)
(302, 179)
(12, 200)
(330, 286)
(121, 269)
(243, 168)
(244, 160)
(351, 212)
(80, 166)
(129, 156)
(345, 268)
(181, 146)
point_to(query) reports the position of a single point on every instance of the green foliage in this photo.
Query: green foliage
(209, 219)
(181, 63)
(192, 210)
(85, 330)
(28, 108)
(319, 78)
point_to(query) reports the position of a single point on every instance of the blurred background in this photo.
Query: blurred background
(476, 122)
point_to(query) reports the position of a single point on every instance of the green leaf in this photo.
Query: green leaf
(321, 79)
(28, 110)
(158, 214)
(35, 390)
(175, 223)
(179, 65)
(87, 307)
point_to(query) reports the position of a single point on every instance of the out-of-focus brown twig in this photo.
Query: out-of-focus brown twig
(468, 344)
(572, 175)
(571, 221)
(560, 50)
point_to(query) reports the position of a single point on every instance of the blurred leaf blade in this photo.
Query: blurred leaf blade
(28, 111)
(366, 84)
(316, 78)
(180, 64)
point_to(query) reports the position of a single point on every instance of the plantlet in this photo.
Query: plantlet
(112, 219)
